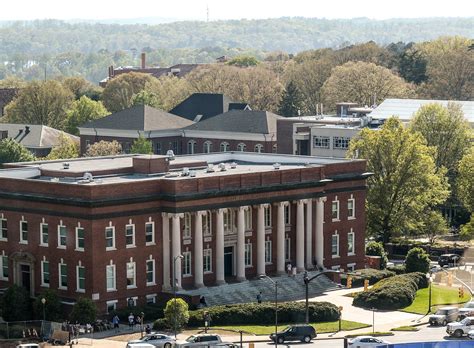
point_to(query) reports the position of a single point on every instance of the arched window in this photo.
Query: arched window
(224, 147)
(258, 148)
(241, 147)
(207, 147)
(275, 148)
(191, 147)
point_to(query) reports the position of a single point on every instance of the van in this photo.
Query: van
(444, 315)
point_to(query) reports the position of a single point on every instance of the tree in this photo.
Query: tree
(104, 148)
(243, 61)
(52, 306)
(169, 91)
(142, 146)
(16, 304)
(66, 148)
(40, 103)
(146, 98)
(291, 102)
(376, 249)
(433, 225)
(412, 66)
(176, 313)
(405, 181)
(119, 91)
(467, 230)
(79, 86)
(417, 260)
(84, 311)
(465, 180)
(11, 151)
(363, 83)
(81, 111)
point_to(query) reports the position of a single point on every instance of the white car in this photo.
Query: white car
(28, 345)
(366, 341)
(153, 339)
(470, 334)
(467, 310)
(201, 340)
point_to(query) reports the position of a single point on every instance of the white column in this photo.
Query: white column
(220, 279)
(241, 243)
(319, 250)
(198, 250)
(166, 251)
(300, 235)
(281, 237)
(309, 234)
(260, 240)
(176, 238)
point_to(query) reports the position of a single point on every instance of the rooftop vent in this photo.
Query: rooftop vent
(88, 177)
(276, 166)
(233, 165)
(192, 173)
(210, 168)
(54, 179)
(170, 155)
(65, 165)
(185, 171)
(222, 167)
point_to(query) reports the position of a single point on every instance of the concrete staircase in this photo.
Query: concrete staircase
(289, 289)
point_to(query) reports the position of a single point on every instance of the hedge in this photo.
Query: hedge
(373, 275)
(264, 313)
(392, 293)
(397, 269)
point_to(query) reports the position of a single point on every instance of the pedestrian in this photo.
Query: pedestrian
(131, 321)
(115, 321)
(288, 269)
(259, 297)
(138, 320)
(202, 301)
(148, 329)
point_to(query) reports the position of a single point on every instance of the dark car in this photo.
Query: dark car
(450, 260)
(303, 333)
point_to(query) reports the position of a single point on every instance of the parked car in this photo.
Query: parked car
(444, 315)
(450, 260)
(303, 333)
(366, 341)
(201, 340)
(461, 328)
(467, 310)
(470, 334)
(28, 345)
(154, 339)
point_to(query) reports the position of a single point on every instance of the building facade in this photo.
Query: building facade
(116, 228)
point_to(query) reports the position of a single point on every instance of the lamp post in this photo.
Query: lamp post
(276, 306)
(142, 317)
(307, 280)
(429, 277)
(174, 291)
(43, 301)
(373, 320)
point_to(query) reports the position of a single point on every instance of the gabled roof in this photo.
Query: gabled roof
(240, 121)
(205, 104)
(141, 118)
(34, 135)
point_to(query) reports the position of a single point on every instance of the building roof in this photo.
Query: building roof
(141, 118)
(34, 136)
(205, 104)
(405, 108)
(240, 121)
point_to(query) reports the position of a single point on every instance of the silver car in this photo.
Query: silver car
(153, 339)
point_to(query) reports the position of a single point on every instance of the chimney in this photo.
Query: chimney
(27, 129)
(143, 60)
(111, 71)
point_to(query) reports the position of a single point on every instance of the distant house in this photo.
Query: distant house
(6, 96)
(38, 139)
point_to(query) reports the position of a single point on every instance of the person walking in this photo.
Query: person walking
(131, 321)
(259, 297)
(288, 269)
(115, 321)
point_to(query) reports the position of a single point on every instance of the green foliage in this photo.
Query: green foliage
(377, 249)
(465, 180)
(79, 86)
(146, 98)
(291, 102)
(83, 110)
(120, 90)
(433, 225)
(467, 230)
(151, 311)
(263, 313)
(11, 151)
(66, 148)
(417, 260)
(412, 66)
(84, 311)
(397, 269)
(373, 275)
(142, 146)
(104, 148)
(16, 304)
(243, 61)
(177, 313)
(52, 306)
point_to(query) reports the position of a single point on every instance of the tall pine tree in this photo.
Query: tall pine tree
(291, 102)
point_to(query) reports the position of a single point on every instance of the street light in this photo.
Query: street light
(276, 306)
(429, 277)
(306, 283)
(174, 291)
(43, 301)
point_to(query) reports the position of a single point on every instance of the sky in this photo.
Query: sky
(236, 9)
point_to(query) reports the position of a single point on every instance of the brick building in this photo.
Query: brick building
(112, 228)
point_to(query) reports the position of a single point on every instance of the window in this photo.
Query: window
(4, 267)
(275, 148)
(351, 208)
(321, 142)
(81, 278)
(287, 249)
(191, 147)
(174, 147)
(351, 267)
(110, 238)
(150, 272)
(151, 299)
(207, 260)
(248, 255)
(224, 147)
(268, 251)
(110, 277)
(258, 148)
(187, 225)
(287, 214)
(111, 306)
(341, 143)
(44, 231)
(207, 147)
(24, 232)
(88, 143)
(187, 263)
(150, 233)
(62, 267)
(241, 147)
(130, 235)
(158, 148)
(350, 243)
(45, 273)
(3, 229)
(268, 216)
(62, 236)
(131, 275)
(206, 223)
(248, 219)
(335, 210)
(79, 239)
(335, 245)
(228, 221)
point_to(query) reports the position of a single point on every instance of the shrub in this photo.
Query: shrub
(161, 324)
(264, 313)
(417, 260)
(177, 313)
(376, 249)
(397, 269)
(16, 304)
(84, 311)
(373, 275)
(52, 306)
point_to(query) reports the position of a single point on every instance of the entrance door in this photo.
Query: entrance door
(25, 277)
(303, 146)
(229, 261)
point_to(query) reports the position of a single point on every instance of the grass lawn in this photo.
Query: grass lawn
(331, 326)
(405, 328)
(440, 295)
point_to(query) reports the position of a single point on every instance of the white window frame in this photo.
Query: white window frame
(335, 237)
(248, 254)
(341, 143)
(191, 147)
(351, 267)
(267, 216)
(248, 219)
(268, 252)
(151, 298)
(112, 238)
(224, 146)
(60, 275)
(187, 264)
(349, 235)
(151, 262)
(287, 213)
(44, 273)
(60, 236)
(351, 215)
(287, 248)
(132, 226)
(3, 261)
(241, 147)
(22, 240)
(3, 228)
(258, 148)
(187, 223)
(79, 267)
(131, 266)
(321, 141)
(207, 146)
(111, 306)
(79, 248)
(337, 210)
(229, 221)
(111, 274)
(152, 233)
(207, 223)
(42, 234)
(207, 260)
